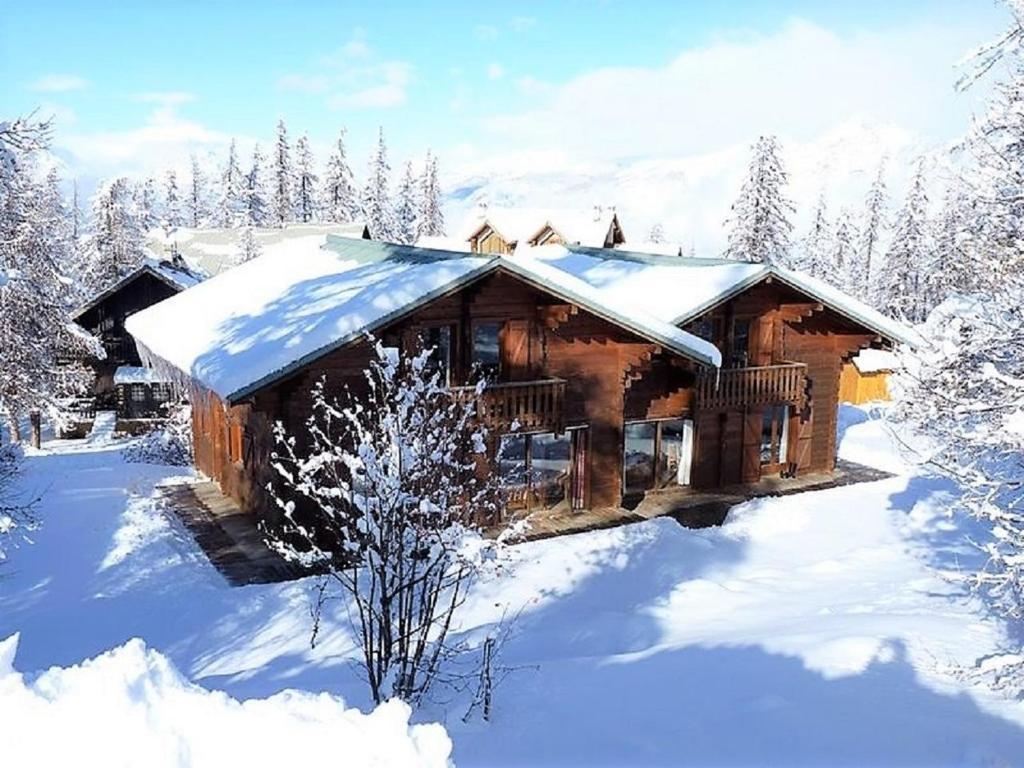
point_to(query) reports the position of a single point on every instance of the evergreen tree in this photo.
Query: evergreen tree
(909, 254)
(198, 209)
(759, 225)
(845, 269)
(875, 219)
(172, 202)
(76, 210)
(339, 195)
(406, 210)
(255, 200)
(248, 247)
(431, 221)
(378, 212)
(305, 182)
(281, 202)
(146, 203)
(657, 233)
(116, 245)
(954, 269)
(231, 206)
(816, 248)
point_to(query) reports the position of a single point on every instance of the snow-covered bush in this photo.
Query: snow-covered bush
(385, 491)
(16, 518)
(965, 390)
(169, 444)
(130, 707)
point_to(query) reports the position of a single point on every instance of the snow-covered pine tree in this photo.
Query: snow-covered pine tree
(377, 209)
(198, 206)
(953, 269)
(340, 204)
(146, 204)
(306, 203)
(256, 198)
(407, 213)
(231, 206)
(76, 210)
(847, 271)
(248, 248)
(35, 243)
(876, 213)
(817, 246)
(901, 278)
(656, 233)
(281, 199)
(172, 202)
(117, 244)
(431, 221)
(759, 224)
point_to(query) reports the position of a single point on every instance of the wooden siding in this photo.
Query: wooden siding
(857, 388)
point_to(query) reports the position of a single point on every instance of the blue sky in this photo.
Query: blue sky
(530, 82)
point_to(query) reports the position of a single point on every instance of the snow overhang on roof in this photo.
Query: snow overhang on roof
(178, 279)
(263, 320)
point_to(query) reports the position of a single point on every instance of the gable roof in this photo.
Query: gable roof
(524, 225)
(678, 289)
(176, 277)
(261, 321)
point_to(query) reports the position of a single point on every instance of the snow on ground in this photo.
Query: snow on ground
(819, 628)
(130, 707)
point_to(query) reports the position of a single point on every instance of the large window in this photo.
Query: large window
(438, 339)
(535, 469)
(486, 352)
(740, 343)
(775, 435)
(656, 454)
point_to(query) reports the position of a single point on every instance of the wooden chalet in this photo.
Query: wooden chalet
(501, 230)
(626, 373)
(121, 383)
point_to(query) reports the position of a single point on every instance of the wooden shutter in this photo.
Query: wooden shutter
(515, 350)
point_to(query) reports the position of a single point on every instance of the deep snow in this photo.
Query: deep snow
(812, 629)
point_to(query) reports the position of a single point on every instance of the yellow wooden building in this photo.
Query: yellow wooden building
(866, 377)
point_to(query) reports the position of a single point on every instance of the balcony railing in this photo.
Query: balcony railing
(532, 405)
(737, 387)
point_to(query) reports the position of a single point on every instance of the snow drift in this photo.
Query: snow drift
(130, 706)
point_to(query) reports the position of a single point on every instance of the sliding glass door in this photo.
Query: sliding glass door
(656, 454)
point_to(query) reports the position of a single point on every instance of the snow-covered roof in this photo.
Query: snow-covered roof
(131, 374)
(215, 249)
(251, 325)
(678, 289)
(586, 227)
(876, 361)
(176, 277)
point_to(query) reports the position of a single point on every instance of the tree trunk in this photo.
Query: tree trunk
(36, 420)
(15, 428)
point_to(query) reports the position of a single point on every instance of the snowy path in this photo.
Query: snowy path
(810, 629)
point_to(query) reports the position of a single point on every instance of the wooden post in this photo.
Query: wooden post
(35, 419)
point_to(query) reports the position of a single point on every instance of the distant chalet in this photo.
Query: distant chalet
(625, 373)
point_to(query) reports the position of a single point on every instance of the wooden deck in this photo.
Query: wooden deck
(229, 537)
(695, 509)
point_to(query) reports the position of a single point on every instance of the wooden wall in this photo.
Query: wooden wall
(857, 388)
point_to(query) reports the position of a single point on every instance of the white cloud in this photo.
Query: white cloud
(495, 71)
(58, 83)
(354, 76)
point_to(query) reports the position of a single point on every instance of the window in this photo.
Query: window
(706, 328)
(139, 393)
(486, 354)
(774, 434)
(439, 340)
(740, 343)
(535, 469)
(656, 454)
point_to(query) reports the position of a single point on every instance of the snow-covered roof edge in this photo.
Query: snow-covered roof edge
(179, 279)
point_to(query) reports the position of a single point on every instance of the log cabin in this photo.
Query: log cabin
(121, 384)
(611, 374)
(502, 230)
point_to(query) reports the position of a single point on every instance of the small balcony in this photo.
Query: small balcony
(763, 385)
(533, 405)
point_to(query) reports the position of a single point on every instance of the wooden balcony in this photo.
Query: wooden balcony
(534, 405)
(738, 387)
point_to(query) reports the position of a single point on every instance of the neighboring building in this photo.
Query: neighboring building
(865, 378)
(213, 250)
(624, 372)
(501, 230)
(119, 385)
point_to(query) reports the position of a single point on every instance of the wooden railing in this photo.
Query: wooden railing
(532, 405)
(736, 387)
